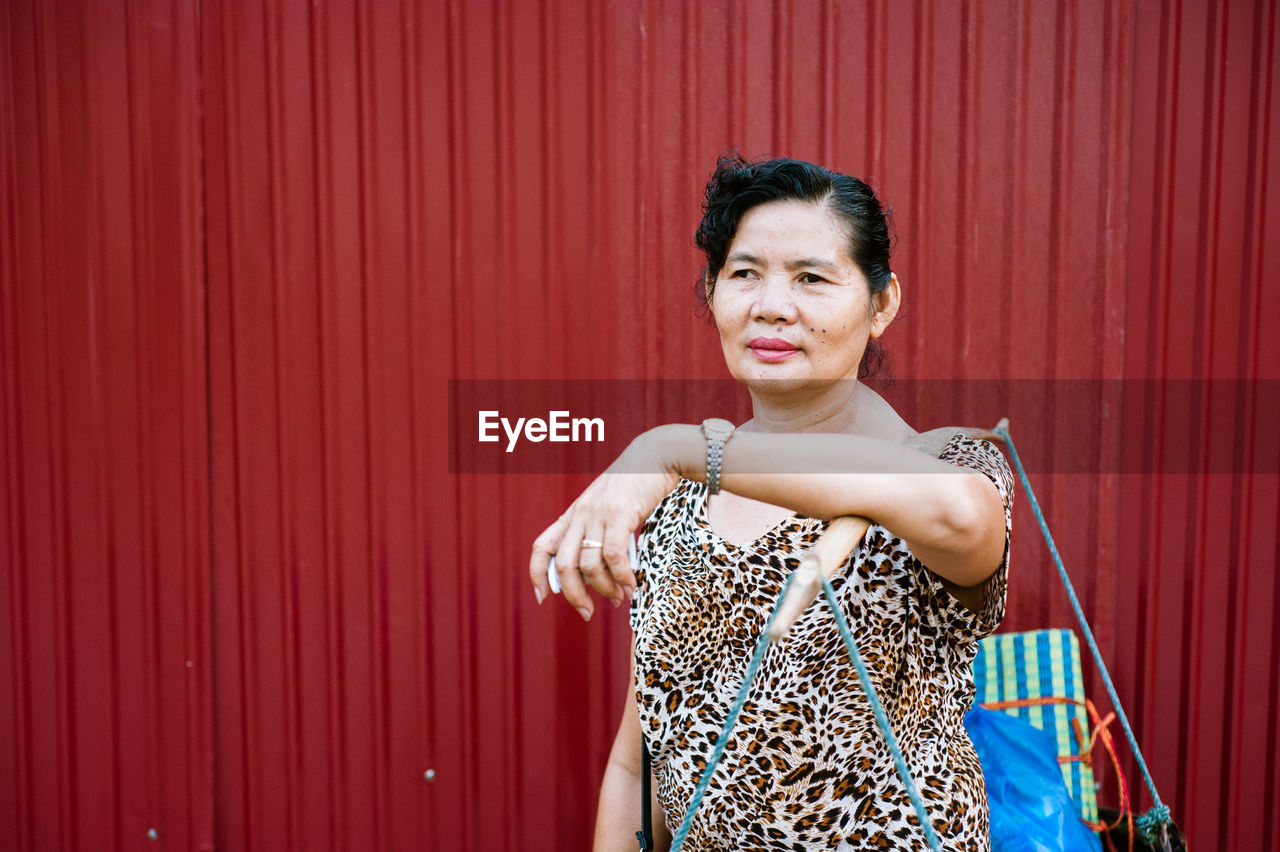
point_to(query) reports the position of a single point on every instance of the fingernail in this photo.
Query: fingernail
(630, 592)
(617, 602)
(537, 593)
(585, 613)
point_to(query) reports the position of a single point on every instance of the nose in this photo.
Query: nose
(775, 300)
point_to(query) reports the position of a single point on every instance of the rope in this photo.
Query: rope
(900, 763)
(1153, 821)
(881, 719)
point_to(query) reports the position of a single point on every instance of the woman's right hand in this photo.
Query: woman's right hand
(609, 511)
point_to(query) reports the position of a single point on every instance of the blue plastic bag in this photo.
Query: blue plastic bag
(1031, 809)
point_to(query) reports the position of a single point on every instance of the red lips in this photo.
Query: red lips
(775, 343)
(772, 350)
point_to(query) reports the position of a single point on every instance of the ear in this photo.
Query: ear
(884, 306)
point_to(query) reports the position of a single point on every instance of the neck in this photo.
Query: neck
(846, 407)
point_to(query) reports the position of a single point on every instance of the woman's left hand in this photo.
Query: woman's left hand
(608, 511)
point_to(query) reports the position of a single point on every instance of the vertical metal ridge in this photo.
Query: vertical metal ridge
(273, 778)
(138, 184)
(877, 74)
(62, 667)
(1015, 134)
(557, 365)
(501, 598)
(784, 80)
(334, 661)
(1136, 263)
(1062, 225)
(1271, 830)
(1113, 138)
(135, 118)
(367, 161)
(443, 712)
(97, 347)
(1259, 135)
(919, 145)
(1155, 355)
(640, 147)
(1194, 587)
(247, 639)
(286, 511)
(968, 73)
(463, 367)
(14, 489)
(413, 117)
(826, 83)
(207, 53)
(505, 132)
(736, 95)
(1216, 47)
(776, 126)
(197, 500)
(1236, 787)
(1058, 156)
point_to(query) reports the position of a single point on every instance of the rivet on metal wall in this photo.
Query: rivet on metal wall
(429, 775)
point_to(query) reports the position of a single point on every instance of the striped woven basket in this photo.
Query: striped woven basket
(1042, 664)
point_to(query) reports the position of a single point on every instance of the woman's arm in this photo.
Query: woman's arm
(618, 815)
(952, 520)
(951, 517)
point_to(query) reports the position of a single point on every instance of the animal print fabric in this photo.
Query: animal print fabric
(806, 766)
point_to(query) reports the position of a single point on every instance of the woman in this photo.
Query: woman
(799, 285)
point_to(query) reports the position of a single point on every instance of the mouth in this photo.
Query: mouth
(772, 349)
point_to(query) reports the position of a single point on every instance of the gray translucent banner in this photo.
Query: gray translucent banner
(1088, 426)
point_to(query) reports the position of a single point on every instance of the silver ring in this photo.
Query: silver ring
(591, 542)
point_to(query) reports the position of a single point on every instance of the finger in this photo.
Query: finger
(539, 561)
(592, 568)
(617, 545)
(571, 585)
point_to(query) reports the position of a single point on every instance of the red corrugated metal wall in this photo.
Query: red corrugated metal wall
(106, 712)
(245, 247)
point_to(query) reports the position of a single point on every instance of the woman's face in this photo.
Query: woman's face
(791, 304)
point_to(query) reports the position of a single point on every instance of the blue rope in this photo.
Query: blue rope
(1153, 820)
(882, 720)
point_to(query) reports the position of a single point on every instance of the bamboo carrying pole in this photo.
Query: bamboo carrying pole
(824, 559)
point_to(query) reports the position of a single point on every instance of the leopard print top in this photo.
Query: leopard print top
(806, 766)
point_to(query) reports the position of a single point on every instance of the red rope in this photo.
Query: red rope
(1102, 732)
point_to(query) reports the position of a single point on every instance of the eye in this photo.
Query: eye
(811, 278)
(741, 273)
